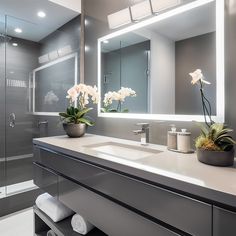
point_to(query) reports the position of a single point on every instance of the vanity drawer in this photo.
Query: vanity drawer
(46, 180)
(106, 215)
(224, 222)
(184, 213)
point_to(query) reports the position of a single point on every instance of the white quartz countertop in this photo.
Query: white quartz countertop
(176, 170)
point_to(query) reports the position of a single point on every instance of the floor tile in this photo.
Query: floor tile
(17, 224)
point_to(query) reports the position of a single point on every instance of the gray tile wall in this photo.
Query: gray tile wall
(68, 34)
(96, 12)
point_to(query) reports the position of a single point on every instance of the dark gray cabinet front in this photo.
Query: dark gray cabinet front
(183, 213)
(46, 180)
(108, 216)
(224, 222)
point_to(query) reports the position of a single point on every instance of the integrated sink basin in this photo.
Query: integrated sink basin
(124, 151)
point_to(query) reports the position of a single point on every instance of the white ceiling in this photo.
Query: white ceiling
(23, 14)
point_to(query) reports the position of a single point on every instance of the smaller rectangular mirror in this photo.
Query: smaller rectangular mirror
(50, 83)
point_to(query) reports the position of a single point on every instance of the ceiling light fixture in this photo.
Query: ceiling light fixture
(18, 30)
(162, 5)
(41, 14)
(106, 41)
(119, 18)
(141, 10)
(15, 44)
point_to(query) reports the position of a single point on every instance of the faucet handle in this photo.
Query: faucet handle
(143, 125)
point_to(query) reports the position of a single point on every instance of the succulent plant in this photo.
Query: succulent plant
(215, 138)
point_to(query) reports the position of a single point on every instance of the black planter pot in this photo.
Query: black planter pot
(216, 158)
(74, 130)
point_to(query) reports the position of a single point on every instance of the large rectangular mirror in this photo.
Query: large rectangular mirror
(154, 58)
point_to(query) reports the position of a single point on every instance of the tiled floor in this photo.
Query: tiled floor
(17, 224)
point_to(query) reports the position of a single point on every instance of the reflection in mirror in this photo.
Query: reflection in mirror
(156, 58)
(51, 81)
(119, 58)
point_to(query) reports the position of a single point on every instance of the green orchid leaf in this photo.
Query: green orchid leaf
(126, 110)
(229, 140)
(76, 110)
(223, 132)
(86, 121)
(83, 112)
(113, 110)
(204, 129)
(63, 114)
(70, 111)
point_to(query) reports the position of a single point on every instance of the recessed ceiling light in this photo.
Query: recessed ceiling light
(18, 30)
(41, 14)
(15, 44)
(105, 41)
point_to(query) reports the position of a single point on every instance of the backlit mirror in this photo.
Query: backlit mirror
(154, 58)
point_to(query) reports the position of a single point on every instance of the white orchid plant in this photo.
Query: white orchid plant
(198, 78)
(82, 94)
(214, 136)
(118, 96)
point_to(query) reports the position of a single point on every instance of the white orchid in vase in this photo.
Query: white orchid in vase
(118, 96)
(198, 78)
(82, 94)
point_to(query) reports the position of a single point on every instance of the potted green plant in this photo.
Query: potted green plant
(118, 96)
(75, 118)
(215, 145)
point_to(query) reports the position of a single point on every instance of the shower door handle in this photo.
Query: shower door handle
(12, 120)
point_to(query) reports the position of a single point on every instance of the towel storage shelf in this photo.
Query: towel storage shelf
(63, 228)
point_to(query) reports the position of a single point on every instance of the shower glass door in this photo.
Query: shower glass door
(21, 58)
(41, 64)
(2, 106)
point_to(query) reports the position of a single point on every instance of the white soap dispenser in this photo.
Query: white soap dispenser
(184, 141)
(172, 138)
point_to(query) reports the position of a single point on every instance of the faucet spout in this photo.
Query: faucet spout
(144, 133)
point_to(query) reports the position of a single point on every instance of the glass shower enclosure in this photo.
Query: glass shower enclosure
(38, 64)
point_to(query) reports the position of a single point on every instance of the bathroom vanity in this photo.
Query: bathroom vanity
(126, 189)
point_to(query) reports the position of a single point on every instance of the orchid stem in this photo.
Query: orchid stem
(206, 112)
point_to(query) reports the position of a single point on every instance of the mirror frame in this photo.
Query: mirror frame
(220, 64)
(32, 96)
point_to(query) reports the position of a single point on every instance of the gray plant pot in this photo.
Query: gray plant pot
(216, 158)
(75, 130)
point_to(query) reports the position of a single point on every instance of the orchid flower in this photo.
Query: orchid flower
(197, 76)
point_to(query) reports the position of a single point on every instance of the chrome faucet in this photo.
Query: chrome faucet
(144, 132)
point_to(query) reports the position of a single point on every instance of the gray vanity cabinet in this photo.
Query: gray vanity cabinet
(110, 217)
(224, 222)
(46, 180)
(182, 213)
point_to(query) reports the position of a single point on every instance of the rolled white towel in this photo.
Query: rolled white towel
(56, 210)
(81, 225)
(51, 233)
